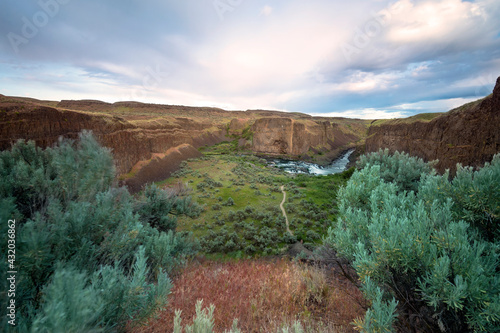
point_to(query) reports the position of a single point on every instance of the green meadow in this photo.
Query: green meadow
(240, 196)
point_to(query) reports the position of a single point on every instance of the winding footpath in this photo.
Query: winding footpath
(283, 210)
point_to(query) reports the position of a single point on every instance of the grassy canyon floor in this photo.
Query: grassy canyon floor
(245, 269)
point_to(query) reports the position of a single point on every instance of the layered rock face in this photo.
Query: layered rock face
(287, 136)
(149, 141)
(160, 167)
(129, 142)
(469, 135)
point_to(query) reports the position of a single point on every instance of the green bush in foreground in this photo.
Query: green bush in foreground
(89, 256)
(398, 168)
(428, 256)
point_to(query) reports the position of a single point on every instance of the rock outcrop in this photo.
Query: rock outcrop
(149, 141)
(130, 142)
(159, 167)
(287, 136)
(469, 135)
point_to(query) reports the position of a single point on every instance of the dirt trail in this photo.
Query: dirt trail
(283, 210)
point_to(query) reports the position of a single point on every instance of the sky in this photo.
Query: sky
(361, 59)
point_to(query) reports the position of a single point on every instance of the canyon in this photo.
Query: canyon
(149, 141)
(469, 135)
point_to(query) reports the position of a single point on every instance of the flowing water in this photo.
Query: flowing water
(337, 166)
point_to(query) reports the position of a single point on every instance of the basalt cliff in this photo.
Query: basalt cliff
(149, 141)
(297, 137)
(469, 135)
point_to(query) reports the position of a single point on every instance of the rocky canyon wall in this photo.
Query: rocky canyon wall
(148, 141)
(287, 136)
(128, 142)
(469, 135)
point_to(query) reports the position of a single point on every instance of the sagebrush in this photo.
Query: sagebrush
(90, 257)
(425, 248)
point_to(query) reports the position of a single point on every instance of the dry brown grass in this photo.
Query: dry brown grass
(262, 295)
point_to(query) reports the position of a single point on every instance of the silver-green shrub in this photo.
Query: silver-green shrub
(90, 257)
(420, 242)
(399, 168)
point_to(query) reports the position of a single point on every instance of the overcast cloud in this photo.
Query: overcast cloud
(370, 59)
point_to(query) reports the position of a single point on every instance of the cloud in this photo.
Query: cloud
(415, 31)
(266, 11)
(400, 111)
(368, 113)
(400, 53)
(433, 22)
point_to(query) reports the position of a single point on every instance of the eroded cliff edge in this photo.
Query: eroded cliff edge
(469, 135)
(130, 140)
(149, 141)
(300, 137)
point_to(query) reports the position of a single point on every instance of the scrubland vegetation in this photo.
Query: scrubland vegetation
(396, 247)
(241, 197)
(89, 256)
(425, 248)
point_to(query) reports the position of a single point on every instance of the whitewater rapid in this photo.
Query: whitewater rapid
(337, 166)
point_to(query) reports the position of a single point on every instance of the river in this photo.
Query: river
(337, 166)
